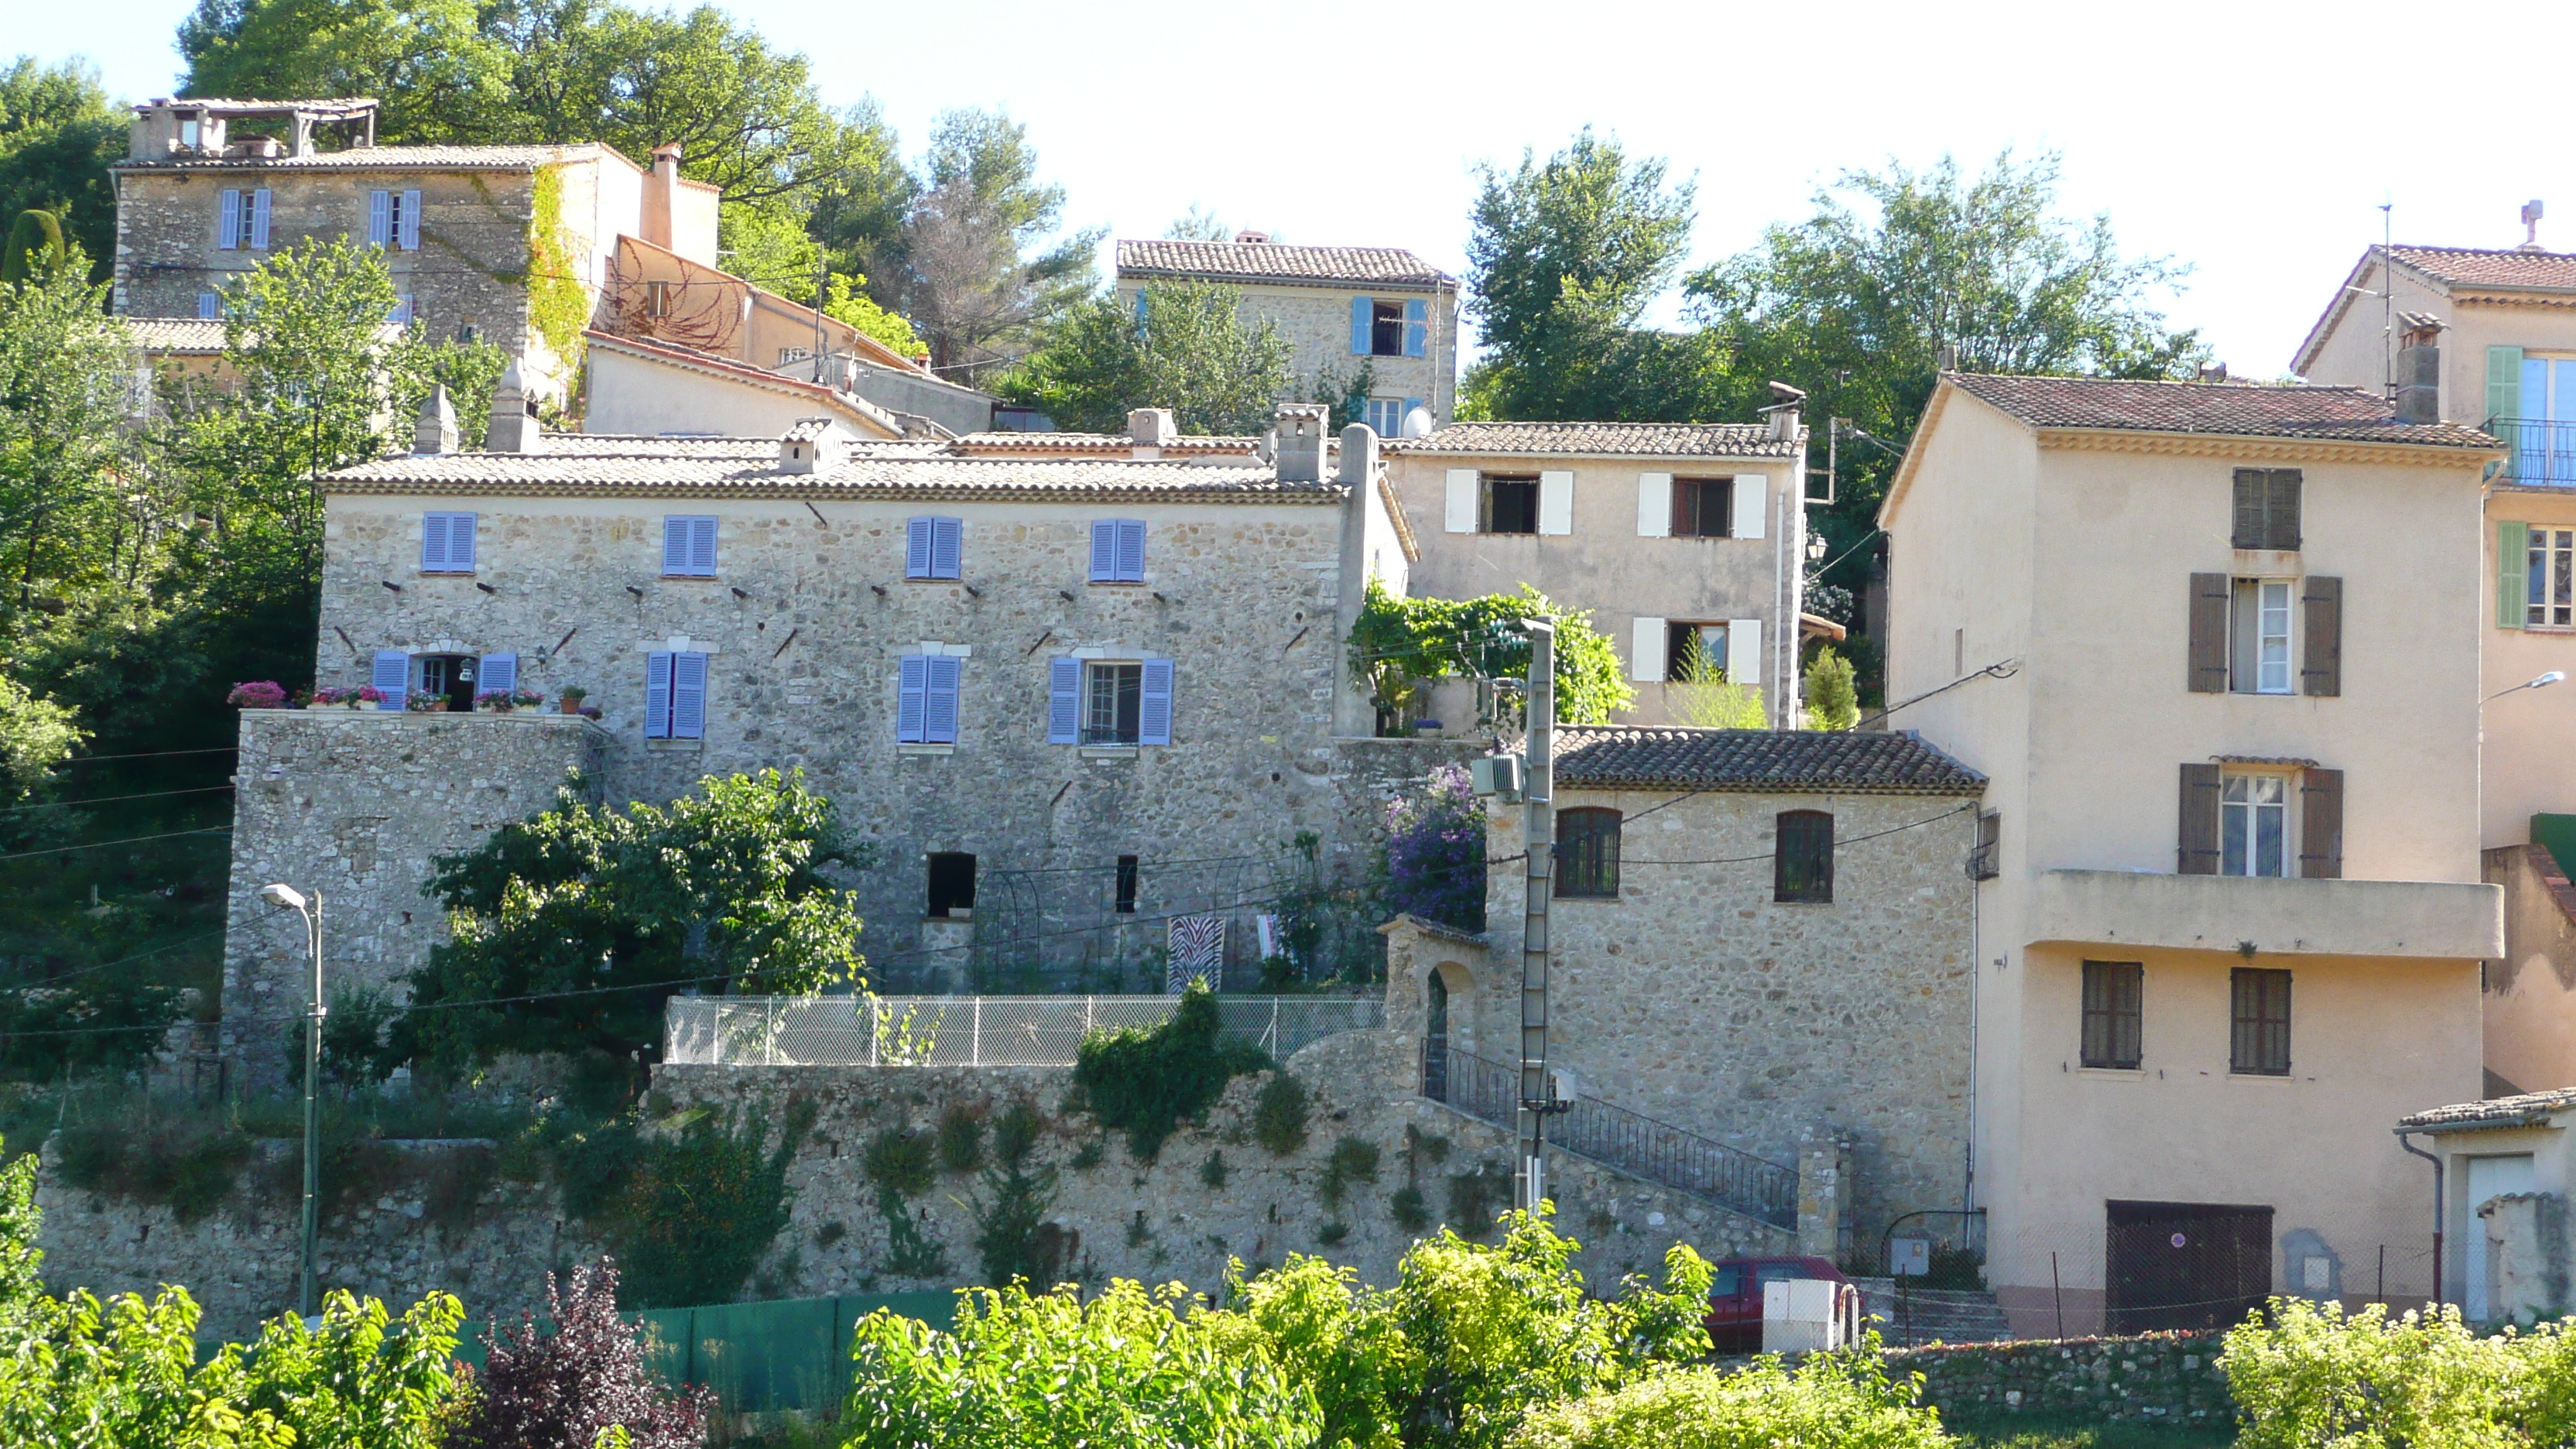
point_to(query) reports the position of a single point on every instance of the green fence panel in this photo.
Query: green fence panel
(2557, 834)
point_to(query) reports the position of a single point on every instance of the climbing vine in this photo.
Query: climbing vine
(558, 307)
(1146, 1080)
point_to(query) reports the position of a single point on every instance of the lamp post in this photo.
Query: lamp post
(311, 911)
(2537, 681)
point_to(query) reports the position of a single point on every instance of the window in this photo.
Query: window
(1727, 1281)
(447, 543)
(675, 696)
(2267, 508)
(1703, 508)
(1127, 873)
(1118, 551)
(688, 546)
(1379, 327)
(241, 220)
(926, 699)
(933, 548)
(1587, 854)
(1986, 861)
(952, 884)
(447, 675)
(2549, 598)
(2254, 824)
(2260, 1043)
(2258, 656)
(1109, 702)
(1113, 703)
(210, 306)
(2112, 992)
(2543, 432)
(1511, 505)
(1695, 653)
(1386, 415)
(1802, 858)
(657, 303)
(1386, 329)
(393, 219)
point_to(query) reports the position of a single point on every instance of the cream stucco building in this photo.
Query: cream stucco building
(2234, 918)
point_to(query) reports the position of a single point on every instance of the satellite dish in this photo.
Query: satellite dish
(1417, 423)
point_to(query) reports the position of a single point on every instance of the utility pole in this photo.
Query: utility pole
(822, 293)
(1538, 835)
(311, 911)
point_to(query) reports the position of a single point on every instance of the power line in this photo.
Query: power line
(110, 799)
(130, 840)
(148, 755)
(1625, 862)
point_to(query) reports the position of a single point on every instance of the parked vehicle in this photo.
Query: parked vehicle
(1735, 1297)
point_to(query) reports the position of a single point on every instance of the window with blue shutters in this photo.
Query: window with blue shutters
(1154, 719)
(926, 704)
(1363, 315)
(210, 306)
(934, 548)
(407, 221)
(1064, 701)
(447, 543)
(392, 676)
(1417, 327)
(380, 218)
(259, 220)
(1118, 551)
(228, 220)
(688, 547)
(675, 696)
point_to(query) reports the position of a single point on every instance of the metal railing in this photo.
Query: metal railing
(2544, 450)
(972, 1031)
(1656, 1151)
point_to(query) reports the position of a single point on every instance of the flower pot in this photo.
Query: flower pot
(571, 706)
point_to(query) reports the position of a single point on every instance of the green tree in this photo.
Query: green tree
(1396, 642)
(58, 134)
(848, 302)
(609, 912)
(1841, 1399)
(35, 243)
(1700, 695)
(1833, 698)
(66, 457)
(1190, 351)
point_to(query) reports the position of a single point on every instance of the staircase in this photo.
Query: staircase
(1932, 1315)
(1634, 1144)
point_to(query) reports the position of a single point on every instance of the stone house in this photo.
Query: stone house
(1064, 697)
(1673, 536)
(1341, 310)
(2483, 336)
(1759, 941)
(2230, 919)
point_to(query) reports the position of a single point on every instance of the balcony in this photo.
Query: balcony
(2544, 451)
(2434, 919)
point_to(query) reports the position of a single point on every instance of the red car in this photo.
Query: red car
(1735, 1297)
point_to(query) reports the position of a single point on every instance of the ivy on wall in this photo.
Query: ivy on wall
(558, 306)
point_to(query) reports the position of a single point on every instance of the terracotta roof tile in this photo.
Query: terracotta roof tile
(1273, 262)
(2519, 1111)
(175, 334)
(1622, 440)
(2336, 414)
(1023, 444)
(379, 158)
(2492, 266)
(1602, 757)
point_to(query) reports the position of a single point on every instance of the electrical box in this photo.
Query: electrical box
(1909, 1257)
(1808, 1315)
(1496, 776)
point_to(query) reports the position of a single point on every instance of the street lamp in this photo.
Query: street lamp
(292, 899)
(2538, 681)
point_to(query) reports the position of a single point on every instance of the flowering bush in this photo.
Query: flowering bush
(421, 701)
(258, 694)
(577, 1384)
(332, 694)
(1435, 852)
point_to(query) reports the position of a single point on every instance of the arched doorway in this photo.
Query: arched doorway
(1435, 1040)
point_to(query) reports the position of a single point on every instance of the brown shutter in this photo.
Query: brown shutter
(2322, 674)
(2281, 508)
(2321, 824)
(2252, 493)
(2196, 845)
(2208, 673)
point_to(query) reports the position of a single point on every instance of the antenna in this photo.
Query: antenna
(2388, 290)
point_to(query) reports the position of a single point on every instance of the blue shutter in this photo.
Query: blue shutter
(947, 547)
(410, 231)
(916, 548)
(1409, 405)
(1131, 551)
(1104, 550)
(939, 722)
(209, 306)
(1360, 319)
(380, 218)
(498, 671)
(1417, 326)
(259, 220)
(702, 547)
(688, 696)
(911, 684)
(1154, 713)
(433, 543)
(392, 677)
(460, 543)
(228, 221)
(1064, 701)
(657, 696)
(675, 544)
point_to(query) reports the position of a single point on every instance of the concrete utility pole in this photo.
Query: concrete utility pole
(294, 900)
(1538, 835)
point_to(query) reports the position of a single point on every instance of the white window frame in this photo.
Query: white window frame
(2273, 669)
(2245, 797)
(1385, 416)
(2549, 573)
(1099, 677)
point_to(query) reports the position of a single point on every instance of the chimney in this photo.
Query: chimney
(1358, 465)
(1151, 430)
(2213, 372)
(1787, 403)
(811, 445)
(1251, 238)
(436, 432)
(2419, 368)
(1301, 441)
(514, 416)
(660, 189)
(2531, 213)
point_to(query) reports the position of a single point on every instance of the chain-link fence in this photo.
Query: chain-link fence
(972, 1031)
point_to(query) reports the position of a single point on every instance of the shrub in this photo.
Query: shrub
(1146, 1080)
(1015, 1132)
(1353, 1160)
(1212, 1171)
(2315, 1376)
(258, 694)
(1833, 694)
(1839, 1399)
(1435, 852)
(961, 1139)
(1408, 1209)
(1279, 1115)
(188, 1164)
(899, 1162)
(701, 1208)
(571, 1386)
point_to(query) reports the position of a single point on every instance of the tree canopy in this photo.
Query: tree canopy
(58, 133)
(1189, 349)
(1396, 641)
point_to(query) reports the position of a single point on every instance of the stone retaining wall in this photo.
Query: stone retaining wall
(2155, 1378)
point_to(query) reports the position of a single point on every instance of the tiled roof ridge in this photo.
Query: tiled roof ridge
(2231, 384)
(2511, 1111)
(1678, 756)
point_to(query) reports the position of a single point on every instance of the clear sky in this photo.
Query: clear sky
(2253, 140)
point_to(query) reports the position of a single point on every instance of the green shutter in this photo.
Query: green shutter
(2504, 382)
(2513, 560)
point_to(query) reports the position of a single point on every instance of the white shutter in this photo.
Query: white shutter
(1655, 505)
(1752, 505)
(259, 220)
(380, 218)
(1556, 502)
(228, 221)
(1462, 500)
(1646, 645)
(1744, 651)
(409, 233)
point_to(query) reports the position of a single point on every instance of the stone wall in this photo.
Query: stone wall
(351, 805)
(1316, 324)
(2154, 1378)
(1695, 999)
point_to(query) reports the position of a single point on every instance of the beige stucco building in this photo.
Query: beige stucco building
(1343, 311)
(2234, 918)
